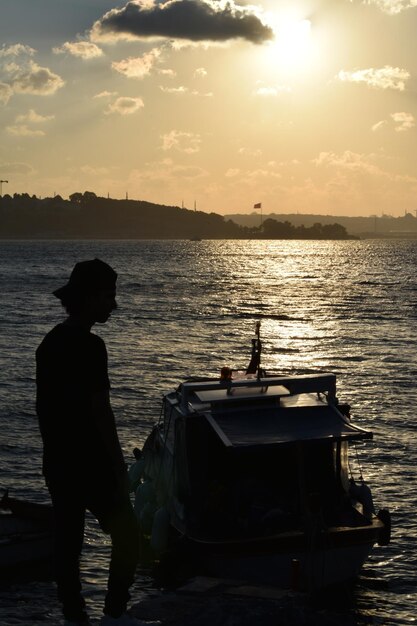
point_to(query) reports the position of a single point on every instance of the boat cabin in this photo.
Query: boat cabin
(259, 456)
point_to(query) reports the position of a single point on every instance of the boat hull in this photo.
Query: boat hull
(26, 534)
(275, 561)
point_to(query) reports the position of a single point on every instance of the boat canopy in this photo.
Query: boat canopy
(212, 391)
(281, 425)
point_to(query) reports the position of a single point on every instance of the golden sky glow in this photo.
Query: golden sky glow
(304, 106)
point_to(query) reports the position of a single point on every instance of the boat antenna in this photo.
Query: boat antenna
(255, 362)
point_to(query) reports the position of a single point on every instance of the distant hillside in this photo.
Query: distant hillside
(384, 226)
(87, 216)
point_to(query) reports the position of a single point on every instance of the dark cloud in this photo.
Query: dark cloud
(194, 20)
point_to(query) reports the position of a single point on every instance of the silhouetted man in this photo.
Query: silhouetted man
(82, 460)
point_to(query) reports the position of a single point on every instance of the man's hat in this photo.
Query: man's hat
(88, 277)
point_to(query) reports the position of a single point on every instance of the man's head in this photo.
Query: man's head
(90, 291)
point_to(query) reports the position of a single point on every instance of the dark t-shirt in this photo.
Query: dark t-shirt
(71, 365)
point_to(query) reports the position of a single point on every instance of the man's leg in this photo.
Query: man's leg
(69, 510)
(120, 522)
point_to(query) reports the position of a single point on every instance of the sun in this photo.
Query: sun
(293, 49)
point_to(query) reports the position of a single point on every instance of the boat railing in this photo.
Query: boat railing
(293, 385)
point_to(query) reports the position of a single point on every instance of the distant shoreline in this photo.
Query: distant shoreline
(120, 238)
(86, 216)
(409, 237)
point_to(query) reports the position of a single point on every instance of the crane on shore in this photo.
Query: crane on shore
(1, 186)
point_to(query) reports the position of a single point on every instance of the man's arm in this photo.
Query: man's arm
(104, 419)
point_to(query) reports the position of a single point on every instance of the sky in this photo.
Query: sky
(303, 106)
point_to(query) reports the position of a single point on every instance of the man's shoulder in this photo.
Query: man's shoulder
(64, 336)
(56, 334)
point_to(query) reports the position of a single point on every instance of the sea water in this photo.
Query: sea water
(189, 308)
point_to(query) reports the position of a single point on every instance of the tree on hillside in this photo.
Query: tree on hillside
(76, 197)
(82, 198)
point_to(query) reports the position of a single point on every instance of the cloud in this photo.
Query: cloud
(239, 178)
(266, 91)
(200, 72)
(95, 171)
(105, 94)
(31, 78)
(348, 160)
(178, 90)
(403, 121)
(271, 91)
(383, 78)
(164, 175)
(181, 90)
(38, 81)
(15, 50)
(125, 106)
(22, 126)
(15, 168)
(6, 93)
(181, 141)
(25, 76)
(10, 69)
(392, 7)
(262, 173)
(34, 118)
(352, 179)
(137, 67)
(22, 130)
(250, 152)
(83, 49)
(376, 127)
(194, 20)
(167, 72)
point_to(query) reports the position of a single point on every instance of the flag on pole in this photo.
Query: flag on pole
(258, 205)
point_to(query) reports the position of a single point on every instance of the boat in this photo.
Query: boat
(250, 472)
(26, 533)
